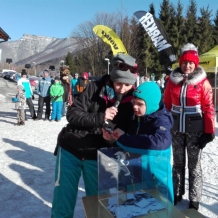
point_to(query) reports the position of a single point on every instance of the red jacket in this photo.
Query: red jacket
(191, 101)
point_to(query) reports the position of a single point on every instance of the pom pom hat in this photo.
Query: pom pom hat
(189, 53)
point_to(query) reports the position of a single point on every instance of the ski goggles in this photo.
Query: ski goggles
(125, 67)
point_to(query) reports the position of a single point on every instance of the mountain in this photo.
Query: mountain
(38, 49)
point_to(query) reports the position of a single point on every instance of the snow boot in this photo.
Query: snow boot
(194, 204)
(177, 199)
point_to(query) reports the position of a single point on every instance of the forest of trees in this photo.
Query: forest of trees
(181, 24)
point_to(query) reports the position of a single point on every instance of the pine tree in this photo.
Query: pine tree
(191, 28)
(215, 29)
(137, 48)
(151, 54)
(181, 38)
(69, 62)
(152, 9)
(165, 15)
(205, 31)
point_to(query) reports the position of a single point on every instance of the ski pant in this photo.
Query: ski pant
(31, 108)
(64, 109)
(20, 115)
(183, 142)
(56, 110)
(41, 101)
(67, 174)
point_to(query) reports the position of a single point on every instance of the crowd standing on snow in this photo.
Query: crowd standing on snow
(179, 111)
(54, 91)
(72, 86)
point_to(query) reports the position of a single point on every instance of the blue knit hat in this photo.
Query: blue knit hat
(150, 93)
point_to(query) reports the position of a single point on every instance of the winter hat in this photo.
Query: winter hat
(150, 93)
(20, 87)
(189, 53)
(124, 69)
(65, 71)
(57, 78)
(85, 74)
(23, 72)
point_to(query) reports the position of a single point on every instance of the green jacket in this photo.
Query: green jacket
(56, 90)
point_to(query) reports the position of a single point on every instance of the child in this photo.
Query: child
(20, 105)
(56, 93)
(149, 134)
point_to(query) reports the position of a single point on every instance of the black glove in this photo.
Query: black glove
(109, 126)
(204, 139)
(33, 97)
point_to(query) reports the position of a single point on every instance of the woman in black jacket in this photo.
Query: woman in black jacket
(79, 141)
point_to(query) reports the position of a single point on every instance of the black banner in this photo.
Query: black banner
(158, 36)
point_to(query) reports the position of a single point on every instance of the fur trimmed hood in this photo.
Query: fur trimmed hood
(193, 78)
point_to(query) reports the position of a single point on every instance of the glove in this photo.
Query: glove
(33, 97)
(109, 126)
(204, 139)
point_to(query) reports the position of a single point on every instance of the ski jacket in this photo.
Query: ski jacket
(150, 136)
(56, 90)
(67, 88)
(190, 99)
(74, 82)
(81, 85)
(27, 87)
(149, 133)
(44, 86)
(83, 135)
(21, 103)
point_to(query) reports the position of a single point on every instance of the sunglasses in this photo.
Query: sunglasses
(125, 67)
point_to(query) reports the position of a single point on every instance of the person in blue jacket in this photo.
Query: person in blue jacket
(43, 90)
(149, 134)
(28, 92)
(73, 84)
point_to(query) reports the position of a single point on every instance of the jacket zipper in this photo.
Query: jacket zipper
(138, 126)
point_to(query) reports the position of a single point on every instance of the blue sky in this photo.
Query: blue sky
(58, 18)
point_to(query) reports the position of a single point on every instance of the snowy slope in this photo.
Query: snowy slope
(27, 168)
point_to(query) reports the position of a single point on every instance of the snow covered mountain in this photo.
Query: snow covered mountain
(38, 49)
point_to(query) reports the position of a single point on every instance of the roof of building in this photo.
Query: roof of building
(4, 35)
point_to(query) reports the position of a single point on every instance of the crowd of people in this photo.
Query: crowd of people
(54, 92)
(177, 118)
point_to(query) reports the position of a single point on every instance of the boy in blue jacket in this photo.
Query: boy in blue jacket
(149, 134)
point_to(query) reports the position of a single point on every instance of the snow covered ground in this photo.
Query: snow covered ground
(27, 167)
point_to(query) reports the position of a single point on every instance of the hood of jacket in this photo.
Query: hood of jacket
(150, 93)
(177, 76)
